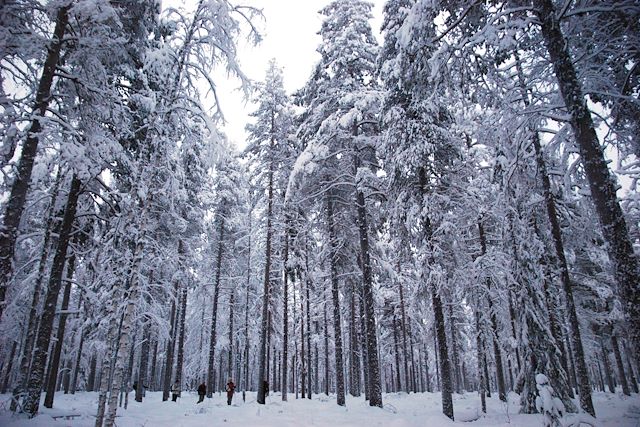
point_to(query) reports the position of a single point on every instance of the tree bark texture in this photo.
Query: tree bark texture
(214, 307)
(36, 380)
(62, 322)
(19, 188)
(262, 357)
(335, 294)
(601, 183)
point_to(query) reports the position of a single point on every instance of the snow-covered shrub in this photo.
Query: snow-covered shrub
(550, 406)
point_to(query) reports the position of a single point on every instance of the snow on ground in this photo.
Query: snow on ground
(400, 410)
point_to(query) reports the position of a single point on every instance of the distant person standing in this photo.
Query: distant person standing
(231, 387)
(202, 390)
(175, 392)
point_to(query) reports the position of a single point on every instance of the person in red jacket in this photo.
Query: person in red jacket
(231, 387)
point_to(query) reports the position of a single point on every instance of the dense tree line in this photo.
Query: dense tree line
(438, 212)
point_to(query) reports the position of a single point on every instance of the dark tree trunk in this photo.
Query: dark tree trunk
(601, 184)
(303, 361)
(91, 379)
(445, 369)
(363, 346)
(403, 323)
(337, 323)
(168, 362)
(426, 368)
(632, 375)
(480, 356)
(153, 384)
(607, 367)
(181, 336)
(262, 357)
(52, 226)
(214, 306)
(373, 365)
(620, 365)
(584, 388)
(62, 322)
(354, 366)
(36, 380)
(144, 360)
(308, 285)
(7, 374)
(231, 332)
(246, 312)
(326, 351)
(487, 378)
(19, 188)
(285, 315)
(316, 365)
(76, 365)
(454, 351)
(394, 325)
(502, 390)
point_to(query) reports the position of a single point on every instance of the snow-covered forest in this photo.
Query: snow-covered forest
(445, 215)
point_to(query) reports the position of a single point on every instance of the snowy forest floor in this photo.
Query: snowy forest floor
(400, 410)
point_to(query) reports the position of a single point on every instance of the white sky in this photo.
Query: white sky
(290, 36)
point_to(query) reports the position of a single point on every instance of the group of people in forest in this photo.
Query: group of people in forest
(202, 391)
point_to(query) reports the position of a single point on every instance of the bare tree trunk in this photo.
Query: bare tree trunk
(214, 305)
(363, 345)
(32, 322)
(426, 368)
(326, 351)
(262, 357)
(78, 359)
(480, 357)
(454, 351)
(20, 187)
(354, 366)
(128, 323)
(181, 336)
(303, 361)
(142, 364)
(445, 369)
(403, 323)
(308, 285)
(168, 362)
(62, 322)
(153, 385)
(502, 389)
(246, 313)
(112, 342)
(125, 386)
(285, 313)
(316, 364)
(337, 323)
(373, 365)
(632, 375)
(621, 373)
(36, 380)
(601, 184)
(230, 355)
(394, 325)
(7, 374)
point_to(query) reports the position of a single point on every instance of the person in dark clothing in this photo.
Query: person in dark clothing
(231, 387)
(266, 388)
(202, 390)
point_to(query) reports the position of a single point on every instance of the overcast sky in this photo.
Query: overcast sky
(290, 36)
